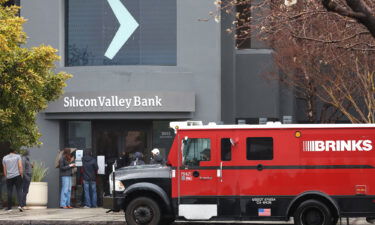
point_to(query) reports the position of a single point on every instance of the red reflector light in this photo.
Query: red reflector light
(360, 190)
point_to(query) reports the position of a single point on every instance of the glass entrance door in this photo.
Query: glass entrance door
(119, 140)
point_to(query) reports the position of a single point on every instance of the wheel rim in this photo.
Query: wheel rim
(313, 216)
(143, 214)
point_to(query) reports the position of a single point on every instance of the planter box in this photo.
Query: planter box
(37, 198)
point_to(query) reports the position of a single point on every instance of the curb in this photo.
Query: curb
(54, 222)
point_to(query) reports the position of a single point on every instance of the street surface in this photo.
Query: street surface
(98, 216)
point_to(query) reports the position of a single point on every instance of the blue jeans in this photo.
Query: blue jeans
(66, 189)
(90, 193)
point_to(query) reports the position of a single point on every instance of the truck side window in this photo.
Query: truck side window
(226, 149)
(196, 150)
(259, 148)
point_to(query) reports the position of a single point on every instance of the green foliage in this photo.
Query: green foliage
(39, 172)
(27, 81)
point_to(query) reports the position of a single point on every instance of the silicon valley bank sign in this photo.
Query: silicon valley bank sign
(124, 102)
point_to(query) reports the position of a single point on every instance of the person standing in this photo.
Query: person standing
(123, 160)
(66, 166)
(90, 169)
(13, 171)
(27, 174)
(156, 157)
(137, 159)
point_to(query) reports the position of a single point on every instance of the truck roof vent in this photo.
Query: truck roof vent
(182, 124)
(270, 123)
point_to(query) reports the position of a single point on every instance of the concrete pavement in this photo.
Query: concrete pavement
(98, 216)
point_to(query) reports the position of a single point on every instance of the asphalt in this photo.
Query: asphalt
(98, 216)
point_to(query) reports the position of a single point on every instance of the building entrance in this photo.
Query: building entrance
(119, 140)
(116, 140)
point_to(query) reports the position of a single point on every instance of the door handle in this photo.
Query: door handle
(259, 167)
(205, 178)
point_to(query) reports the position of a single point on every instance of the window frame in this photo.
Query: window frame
(183, 158)
(221, 150)
(250, 153)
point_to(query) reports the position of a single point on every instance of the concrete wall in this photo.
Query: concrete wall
(247, 88)
(256, 95)
(198, 69)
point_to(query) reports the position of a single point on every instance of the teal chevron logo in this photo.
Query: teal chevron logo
(127, 27)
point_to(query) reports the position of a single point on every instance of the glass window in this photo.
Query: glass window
(259, 148)
(226, 149)
(79, 134)
(96, 36)
(196, 150)
(163, 137)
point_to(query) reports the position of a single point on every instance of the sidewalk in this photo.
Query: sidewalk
(98, 216)
(78, 216)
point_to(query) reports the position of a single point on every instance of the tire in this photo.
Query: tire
(335, 219)
(142, 211)
(370, 220)
(313, 212)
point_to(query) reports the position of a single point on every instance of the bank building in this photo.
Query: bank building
(138, 65)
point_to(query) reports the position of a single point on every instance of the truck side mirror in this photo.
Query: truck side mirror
(185, 140)
(233, 142)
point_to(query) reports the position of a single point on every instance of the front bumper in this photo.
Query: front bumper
(116, 204)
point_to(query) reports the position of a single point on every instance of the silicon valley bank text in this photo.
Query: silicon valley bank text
(112, 101)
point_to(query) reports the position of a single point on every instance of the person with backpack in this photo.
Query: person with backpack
(66, 167)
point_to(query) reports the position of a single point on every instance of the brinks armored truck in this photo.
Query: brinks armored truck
(313, 173)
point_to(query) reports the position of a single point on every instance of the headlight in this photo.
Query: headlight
(119, 186)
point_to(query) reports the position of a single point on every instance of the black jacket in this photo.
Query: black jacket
(65, 169)
(157, 159)
(90, 168)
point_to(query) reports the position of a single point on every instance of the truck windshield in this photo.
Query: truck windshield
(196, 150)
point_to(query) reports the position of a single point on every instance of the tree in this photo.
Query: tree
(27, 81)
(360, 10)
(322, 55)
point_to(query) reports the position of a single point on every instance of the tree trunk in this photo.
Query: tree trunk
(360, 11)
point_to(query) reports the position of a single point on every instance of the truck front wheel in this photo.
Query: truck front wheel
(312, 212)
(142, 211)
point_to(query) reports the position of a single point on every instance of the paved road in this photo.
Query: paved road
(99, 216)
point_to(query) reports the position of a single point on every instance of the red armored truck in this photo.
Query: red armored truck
(315, 173)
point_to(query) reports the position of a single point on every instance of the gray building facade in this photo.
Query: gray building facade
(174, 66)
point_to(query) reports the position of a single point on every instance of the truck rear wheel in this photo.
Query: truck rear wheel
(142, 211)
(313, 212)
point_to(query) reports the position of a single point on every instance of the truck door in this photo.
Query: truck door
(256, 198)
(229, 181)
(197, 177)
